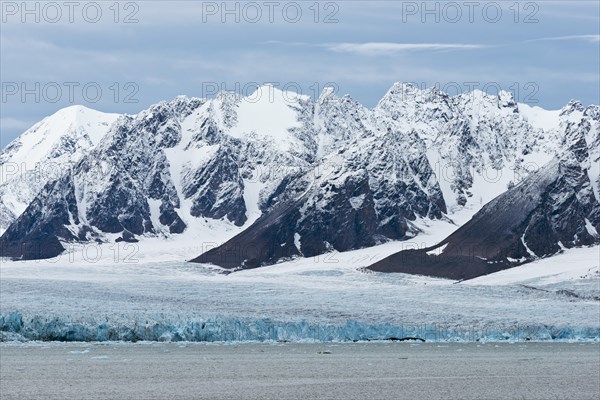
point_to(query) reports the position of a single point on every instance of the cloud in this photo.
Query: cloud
(286, 43)
(586, 38)
(384, 48)
(13, 123)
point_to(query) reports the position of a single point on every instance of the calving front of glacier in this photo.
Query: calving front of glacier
(15, 326)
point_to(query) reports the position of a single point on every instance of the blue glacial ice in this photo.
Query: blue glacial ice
(15, 325)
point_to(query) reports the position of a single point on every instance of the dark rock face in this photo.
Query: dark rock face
(170, 218)
(127, 237)
(347, 220)
(34, 246)
(27, 239)
(119, 208)
(259, 246)
(217, 189)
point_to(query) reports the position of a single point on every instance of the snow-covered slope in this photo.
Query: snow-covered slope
(44, 152)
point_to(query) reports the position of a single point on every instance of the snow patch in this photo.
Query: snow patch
(155, 216)
(539, 117)
(437, 251)
(594, 175)
(590, 228)
(297, 243)
(252, 190)
(531, 253)
(357, 201)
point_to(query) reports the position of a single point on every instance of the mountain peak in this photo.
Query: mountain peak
(271, 93)
(572, 106)
(328, 92)
(403, 89)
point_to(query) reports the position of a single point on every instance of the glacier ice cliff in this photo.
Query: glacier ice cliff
(16, 326)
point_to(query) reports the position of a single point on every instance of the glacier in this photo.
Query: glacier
(318, 299)
(226, 329)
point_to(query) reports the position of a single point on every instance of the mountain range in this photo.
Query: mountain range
(290, 177)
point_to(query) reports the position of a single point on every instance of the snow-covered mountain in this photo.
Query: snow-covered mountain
(170, 168)
(44, 152)
(556, 208)
(418, 154)
(291, 176)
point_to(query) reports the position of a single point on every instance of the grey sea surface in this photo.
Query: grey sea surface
(375, 370)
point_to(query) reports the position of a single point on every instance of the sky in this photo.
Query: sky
(125, 56)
